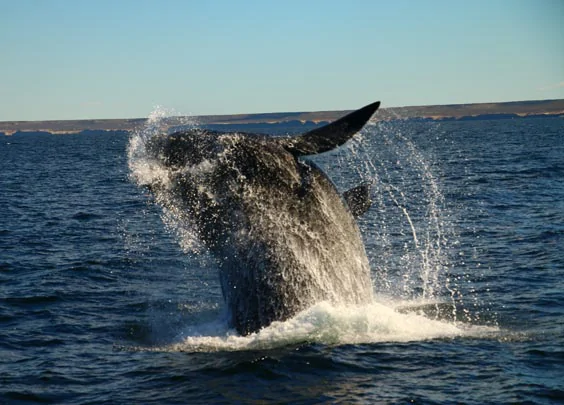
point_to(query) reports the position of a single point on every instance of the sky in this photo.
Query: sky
(122, 59)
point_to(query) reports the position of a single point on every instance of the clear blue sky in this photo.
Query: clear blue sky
(119, 59)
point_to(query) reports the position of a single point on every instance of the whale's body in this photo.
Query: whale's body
(283, 236)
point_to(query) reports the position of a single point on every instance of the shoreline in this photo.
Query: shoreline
(453, 112)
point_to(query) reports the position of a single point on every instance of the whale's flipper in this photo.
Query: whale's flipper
(358, 199)
(332, 135)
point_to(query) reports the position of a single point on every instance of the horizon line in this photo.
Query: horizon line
(289, 112)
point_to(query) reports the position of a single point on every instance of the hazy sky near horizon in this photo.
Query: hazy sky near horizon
(122, 58)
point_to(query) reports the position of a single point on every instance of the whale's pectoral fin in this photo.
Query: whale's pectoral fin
(358, 199)
(332, 135)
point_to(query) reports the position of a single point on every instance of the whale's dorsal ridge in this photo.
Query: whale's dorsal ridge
(332, 135)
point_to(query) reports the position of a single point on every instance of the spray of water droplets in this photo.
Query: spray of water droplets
(407, 235)
(145, 170)
(408, 231)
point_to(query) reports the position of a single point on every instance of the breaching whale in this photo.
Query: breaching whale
(283, 236)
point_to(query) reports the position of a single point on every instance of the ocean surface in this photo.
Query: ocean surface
(105, 300)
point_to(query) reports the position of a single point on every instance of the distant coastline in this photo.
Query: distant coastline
(299, 120)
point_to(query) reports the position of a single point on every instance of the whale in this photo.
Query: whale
(282, 235)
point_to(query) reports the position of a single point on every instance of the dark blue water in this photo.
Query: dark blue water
(103, 302)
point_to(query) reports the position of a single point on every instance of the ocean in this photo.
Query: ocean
(104, 299)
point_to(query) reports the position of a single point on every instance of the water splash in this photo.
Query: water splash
(325, 324)
(145, 170)
(408, 232)
(407, 236)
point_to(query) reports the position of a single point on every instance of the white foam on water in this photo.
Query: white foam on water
(329, 325)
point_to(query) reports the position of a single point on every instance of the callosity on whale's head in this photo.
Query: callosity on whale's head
(283, 236)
